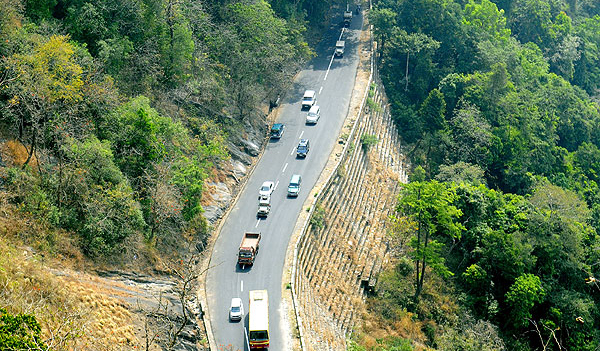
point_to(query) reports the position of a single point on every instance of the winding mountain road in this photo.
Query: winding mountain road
(333, 80)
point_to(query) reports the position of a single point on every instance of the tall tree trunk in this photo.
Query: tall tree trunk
(418, 260)
(423, 263)
(406, 73)
(33, 143)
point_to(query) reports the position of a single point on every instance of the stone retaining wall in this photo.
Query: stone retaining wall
(340, 257)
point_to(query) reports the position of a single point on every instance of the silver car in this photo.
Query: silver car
(236, 311)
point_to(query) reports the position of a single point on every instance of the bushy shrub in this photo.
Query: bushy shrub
(368, 140)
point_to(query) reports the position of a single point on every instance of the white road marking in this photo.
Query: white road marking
(328, 67)
(332, 56)
(301, 134)
(284, 168)
(320, 90)
(247, 340)
(276, 184)
(242, 285)
(257, 222)
(293, 149)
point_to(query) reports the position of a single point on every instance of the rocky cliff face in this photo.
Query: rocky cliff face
(244, 148)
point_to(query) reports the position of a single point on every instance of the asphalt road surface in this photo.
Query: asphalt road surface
(333, 80)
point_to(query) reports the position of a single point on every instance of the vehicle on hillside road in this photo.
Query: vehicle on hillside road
(277, 130)
(264, 206)
(347, 16)
(294, 187)
(309, 99)
(236, 310)
(258, 321)
(313, 115)
(248, 248)
(303, 148)
(266, 189)
(339, 48)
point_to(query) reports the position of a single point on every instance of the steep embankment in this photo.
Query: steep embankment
(343, 248)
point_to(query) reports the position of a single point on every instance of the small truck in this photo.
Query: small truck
(339, 48)
(248, 248)
(264, 206)
(347, 17)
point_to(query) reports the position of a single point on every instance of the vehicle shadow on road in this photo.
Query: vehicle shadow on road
(242, 268)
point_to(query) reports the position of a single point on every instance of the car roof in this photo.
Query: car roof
(340, 43)
(303, 142)
(313, 108)
(267, 182)
(309, 93)
(236, 302)
(277, 126)
(295, 178)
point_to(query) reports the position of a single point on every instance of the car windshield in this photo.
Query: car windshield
(264, 188)
(301, 148)
(245, 254)
(235, 309)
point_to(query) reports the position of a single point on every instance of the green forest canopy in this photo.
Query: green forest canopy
(123, 108)
(497, 102)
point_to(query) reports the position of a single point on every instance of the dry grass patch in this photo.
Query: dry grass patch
(73, 314)
(15, 154)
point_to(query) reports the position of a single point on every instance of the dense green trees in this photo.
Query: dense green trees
(20, 332)
(122, 107)
(507, 99)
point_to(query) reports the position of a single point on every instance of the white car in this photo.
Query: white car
(266, 189)
(236, 311)
(313, 115)
(309, 99)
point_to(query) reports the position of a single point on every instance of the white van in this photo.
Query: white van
(294, 187)
(313, 115)
(309, 99)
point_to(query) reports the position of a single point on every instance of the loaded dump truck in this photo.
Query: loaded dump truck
(248, 248)
(347, 16)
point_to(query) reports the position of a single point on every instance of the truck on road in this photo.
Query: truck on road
(347, 16)
(248, 248)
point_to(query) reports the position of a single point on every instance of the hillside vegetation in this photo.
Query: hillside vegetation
(113, 114)
(495, 241)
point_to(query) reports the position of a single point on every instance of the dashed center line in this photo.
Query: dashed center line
(301, 134)
(284, 168)
(276, 184)
(320, 90)
(242, 285)
(257, 222)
